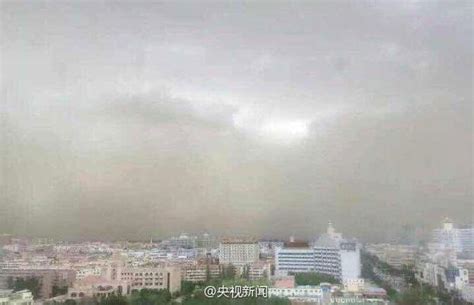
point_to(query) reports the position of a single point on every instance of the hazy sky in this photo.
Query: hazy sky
(127, 119)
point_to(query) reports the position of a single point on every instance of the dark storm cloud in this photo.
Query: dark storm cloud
(135, 119)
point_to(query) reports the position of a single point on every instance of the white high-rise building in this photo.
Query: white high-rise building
(330, 254)
(336, 256)
(350, 261)
(294, 257)
(460, 240)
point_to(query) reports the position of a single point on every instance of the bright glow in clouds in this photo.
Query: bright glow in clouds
(285, 131)
(281, 130)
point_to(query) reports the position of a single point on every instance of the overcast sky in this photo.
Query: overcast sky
(131, 120)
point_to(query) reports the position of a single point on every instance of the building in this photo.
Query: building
(336, 256)
(293, 257)
(459, 239)
(456, 278)
(84, 272)
(200, 272)
(287, 281)
(207, 241)
(468, 293)
(354, 285)
(182, 241)
(330, 254)
(327, 260)
(374, 293)
(450, 277)
(258, 271)
(466, 240)
(396, 256)
(23, 297)
(47, 277)
(96, 286)
(299, 293)
(160, 277)
(469, 266)
(238, 252)
(428, 272)
(268, 247)
(350, 260)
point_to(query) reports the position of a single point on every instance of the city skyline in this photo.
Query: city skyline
(127, 121)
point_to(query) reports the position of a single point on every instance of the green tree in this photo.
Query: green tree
(314, 278)
(246, 272)
(113, 300)
(228, 272)
(208, 273)
(70, 302)
(187, 287)
(415, 296)
(150, 297)
(59, 290)
(30, 283)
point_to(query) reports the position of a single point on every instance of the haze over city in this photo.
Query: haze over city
(120, 120)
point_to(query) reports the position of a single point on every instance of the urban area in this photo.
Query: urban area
(330, 269)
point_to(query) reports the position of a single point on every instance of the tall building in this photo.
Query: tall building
(330, 254)
(461, 240)
(350, 261)
(238, 252)
(336, 256)
(294, 256)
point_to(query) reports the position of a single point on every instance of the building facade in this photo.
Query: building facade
(161, 277)
(294, 257)
(460, 240)
(238, 252)
(330, 254)
(200, 272)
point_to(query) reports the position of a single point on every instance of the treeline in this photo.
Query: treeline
(163, 297)
(30, 283)
(369, 262)
(200, 299)
(33, 284)
(142, 297)
(314, 278)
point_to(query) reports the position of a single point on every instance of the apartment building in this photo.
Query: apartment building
(258, 271)
(238, 252)
(200, 272)
(160, 277)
